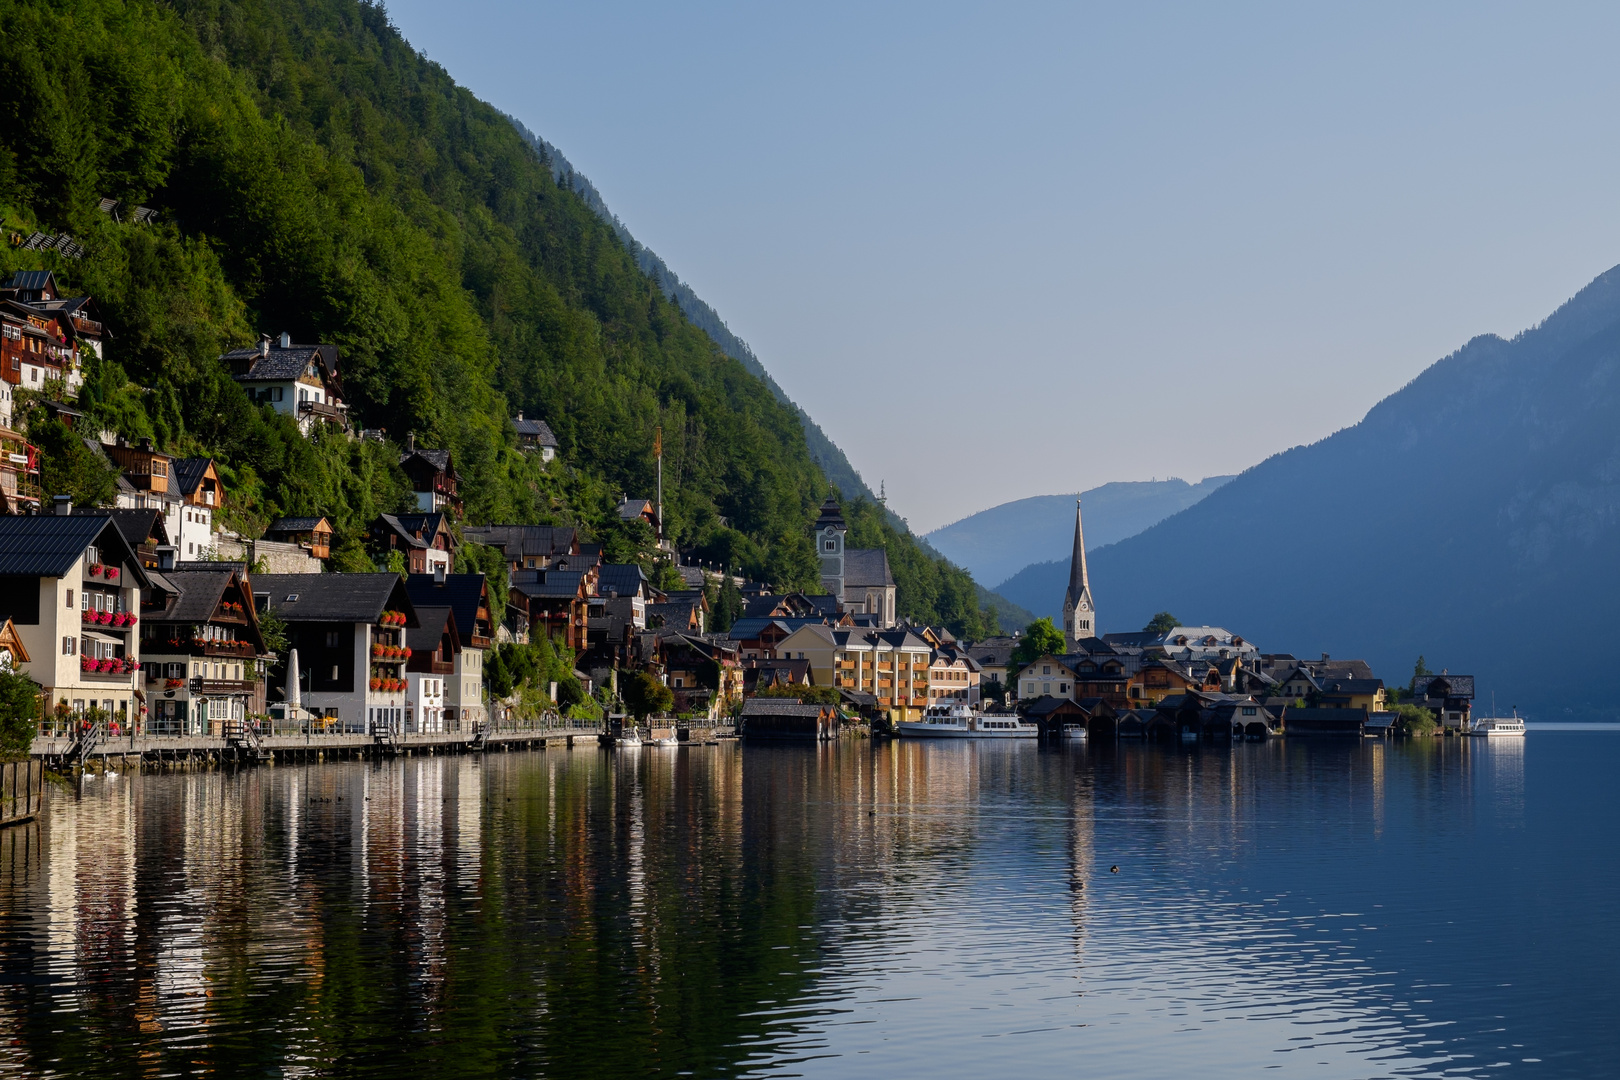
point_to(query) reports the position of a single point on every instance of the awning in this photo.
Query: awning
(96, 635)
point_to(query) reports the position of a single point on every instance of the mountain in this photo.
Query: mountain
(834, 464)
(314, 173)
(995, 544)
(1472, 518)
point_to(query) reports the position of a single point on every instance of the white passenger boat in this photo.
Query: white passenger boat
(1074, 732)
(1498, 727)
(958, 721)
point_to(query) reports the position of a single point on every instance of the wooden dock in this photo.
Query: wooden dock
(124, 752)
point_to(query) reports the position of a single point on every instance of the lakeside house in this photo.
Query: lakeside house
(467, 597)
(349, 631)
(70, 587)
(202, 653)
(433, 647)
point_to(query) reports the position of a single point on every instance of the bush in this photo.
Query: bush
(19, 713)
(1413, 720)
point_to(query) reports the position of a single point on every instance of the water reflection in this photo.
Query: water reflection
(842, 910)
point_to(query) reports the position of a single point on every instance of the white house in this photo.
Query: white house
(71, 586)
(299, 380)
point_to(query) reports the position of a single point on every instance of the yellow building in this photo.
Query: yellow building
(891, 665)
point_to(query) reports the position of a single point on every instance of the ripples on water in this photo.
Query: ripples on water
(1317, 909)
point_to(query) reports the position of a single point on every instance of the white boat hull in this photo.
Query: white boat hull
(916, 729)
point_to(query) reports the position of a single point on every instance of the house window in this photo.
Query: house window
(679, 682)
(70, 598)
(331, 639)
(832, 545)
(275, 393)
(67, 646)
(1248, 711)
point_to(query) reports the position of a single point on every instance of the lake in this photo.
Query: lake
(1291, 908)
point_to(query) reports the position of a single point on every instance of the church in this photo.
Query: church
(1079, 612)
(859, 578)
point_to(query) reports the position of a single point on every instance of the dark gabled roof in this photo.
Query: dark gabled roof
(30, 280)
(539, 429)
(1046, 705)
(295, 525)
(777, 706)
(387, 523)
(547, 583)
(518, 540)
(1352, 686)
(434, 620)
(460, 592)
(866, 568)
(429, 525)
(281, 365)
(138, 526)
(48, 545)
(630, 509)
(625, 579)
(438, 460)
(188, 472)
(196, 594)
(357, 598)
(1461, 686)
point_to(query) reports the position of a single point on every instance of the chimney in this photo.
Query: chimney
(410, 441)
(166, 555)
(520, 416)
(62, 505)
(264, 344)
(286, 340)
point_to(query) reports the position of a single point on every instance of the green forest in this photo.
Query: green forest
(314, 174)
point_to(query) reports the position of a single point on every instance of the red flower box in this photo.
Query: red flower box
(87, 616)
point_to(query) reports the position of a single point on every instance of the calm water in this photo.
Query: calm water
(1322, 910)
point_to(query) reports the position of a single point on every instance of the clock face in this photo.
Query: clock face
(1084, 606)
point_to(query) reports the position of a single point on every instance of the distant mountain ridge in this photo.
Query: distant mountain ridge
(1471, 517)
(995, 544)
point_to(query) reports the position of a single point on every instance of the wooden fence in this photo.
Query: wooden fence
(22, 791)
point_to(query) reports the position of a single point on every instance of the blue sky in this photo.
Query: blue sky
(1009, 250)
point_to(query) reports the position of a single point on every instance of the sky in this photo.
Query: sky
(1002, 250)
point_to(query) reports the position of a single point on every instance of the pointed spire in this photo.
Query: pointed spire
(1079, 583)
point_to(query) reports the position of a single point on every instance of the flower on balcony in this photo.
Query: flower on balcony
(86, 663)
(406, 652)
(95, 569)
(376, 684)
(376, 650)
(173, 684)
(104, 617)
(112, 573)
(87, 616)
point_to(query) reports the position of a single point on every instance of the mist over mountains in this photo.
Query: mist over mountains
(1473, 517)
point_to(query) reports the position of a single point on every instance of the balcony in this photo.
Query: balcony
(229, 648)
(226, 687)
(320, 410)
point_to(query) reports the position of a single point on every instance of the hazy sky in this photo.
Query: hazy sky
(1005, 250)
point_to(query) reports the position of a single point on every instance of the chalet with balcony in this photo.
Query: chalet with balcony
(313, 534)
(20, 463)
(1449, 697)
(425, 541)
(298, 380)
(432, 665)
(467, 597)
(535, 436)
(146, 533)
(35, 348)
(433, 477)
(705, 675)
(555, 603)
(1159, 679)
(349, 632)
(202, 654)
(71, 587)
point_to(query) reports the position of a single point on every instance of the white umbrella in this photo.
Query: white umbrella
(295, 699)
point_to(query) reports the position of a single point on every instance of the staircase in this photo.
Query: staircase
(244, 738)
(82, 744)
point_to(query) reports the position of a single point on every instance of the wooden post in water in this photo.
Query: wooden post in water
(22, 791)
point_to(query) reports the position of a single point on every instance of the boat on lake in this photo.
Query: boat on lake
(1498, 727)
(958, 721)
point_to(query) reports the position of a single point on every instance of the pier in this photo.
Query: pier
(96, 749)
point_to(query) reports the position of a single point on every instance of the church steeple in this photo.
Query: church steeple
(1079, 614)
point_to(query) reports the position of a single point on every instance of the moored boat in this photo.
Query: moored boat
(958, 721)
(1498, 727)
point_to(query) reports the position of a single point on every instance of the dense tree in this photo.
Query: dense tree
(1040, 638)
(19, 711)
(644, 695)
(1162, 623)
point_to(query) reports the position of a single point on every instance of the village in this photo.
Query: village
(151, 628)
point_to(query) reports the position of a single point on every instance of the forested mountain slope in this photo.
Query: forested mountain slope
(1472, 517)
(823, 451)
(315, 174)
